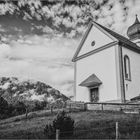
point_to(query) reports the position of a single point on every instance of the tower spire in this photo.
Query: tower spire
(133, 31)
(137, 20)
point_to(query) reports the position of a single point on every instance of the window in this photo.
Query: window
(127, 68)
(92, 43)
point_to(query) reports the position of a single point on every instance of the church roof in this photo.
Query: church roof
(91, 81)
(133, 31)
(135, 98)
(121, 39)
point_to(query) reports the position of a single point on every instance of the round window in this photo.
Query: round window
(92, 43)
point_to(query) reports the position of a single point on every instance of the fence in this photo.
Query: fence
(116, 131)
(128, 108)
(75, 105)
(81, 106)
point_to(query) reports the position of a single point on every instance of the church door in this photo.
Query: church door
(94, 95)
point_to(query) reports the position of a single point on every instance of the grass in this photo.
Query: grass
(89, 124)
(35, 114)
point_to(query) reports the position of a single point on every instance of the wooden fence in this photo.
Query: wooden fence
(57, 134)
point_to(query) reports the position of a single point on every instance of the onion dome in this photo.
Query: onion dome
(133, 31)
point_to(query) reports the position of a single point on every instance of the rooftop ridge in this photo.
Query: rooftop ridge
(119, 37)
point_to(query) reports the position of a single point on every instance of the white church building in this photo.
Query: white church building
(107, 65)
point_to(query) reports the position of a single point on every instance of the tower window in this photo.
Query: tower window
(127, 68)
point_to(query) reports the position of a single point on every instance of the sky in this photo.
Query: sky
(39, 38)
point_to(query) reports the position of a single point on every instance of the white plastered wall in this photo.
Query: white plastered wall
(98, 36)
(103, 65)
(132, 88)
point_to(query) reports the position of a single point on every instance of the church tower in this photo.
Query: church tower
(133, 32)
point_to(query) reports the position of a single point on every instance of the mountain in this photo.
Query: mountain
(14, 90)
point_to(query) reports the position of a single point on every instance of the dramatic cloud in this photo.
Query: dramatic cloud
(39, 58)
(39, 38)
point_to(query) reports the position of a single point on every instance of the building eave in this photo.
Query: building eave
(128, 46)
(95, 51)
(75, 58)
(113, 35)
(82, 42)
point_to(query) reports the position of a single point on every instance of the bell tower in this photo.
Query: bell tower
(133, 32)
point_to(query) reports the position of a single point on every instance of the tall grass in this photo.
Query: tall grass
(88, 125)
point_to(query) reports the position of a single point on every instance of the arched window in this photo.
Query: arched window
(127, 68)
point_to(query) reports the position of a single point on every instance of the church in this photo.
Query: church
(107, 65)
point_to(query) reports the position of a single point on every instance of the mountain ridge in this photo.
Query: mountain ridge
(19, 97)
(11, 89)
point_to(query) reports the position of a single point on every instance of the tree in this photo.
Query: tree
(62, 122)
(3, 105)
(19, 108)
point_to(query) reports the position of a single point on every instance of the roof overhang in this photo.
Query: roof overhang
(91, 81)
(123, 41)
(135, 98)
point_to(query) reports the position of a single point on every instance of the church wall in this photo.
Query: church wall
(103, 65)
(132, 87)
(98, 37)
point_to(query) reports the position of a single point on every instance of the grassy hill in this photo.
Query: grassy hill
(89, 124)
(17, 96)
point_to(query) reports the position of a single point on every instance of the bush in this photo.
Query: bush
(62, 122)
(4, 112)
(40, 105)
(19, 108)
(59, 103)
(3, 105)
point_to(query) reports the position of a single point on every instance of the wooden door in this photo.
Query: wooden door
(94, 95)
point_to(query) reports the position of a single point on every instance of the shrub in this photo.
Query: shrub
(49, 131)
(62, 122)
(3, 105)
(59, 103)
(3, 108)
(40, 105)
(19, 108)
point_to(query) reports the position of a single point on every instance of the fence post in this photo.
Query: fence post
(57, 134)
(117, 131)
(102, 107)
(85, 107)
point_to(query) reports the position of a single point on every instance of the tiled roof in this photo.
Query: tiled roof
(91, 81)
(121, 38)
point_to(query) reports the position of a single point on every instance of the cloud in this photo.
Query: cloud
(8, 7)
(47, 57)
(39, 58)
(32, 3)
(118, 15)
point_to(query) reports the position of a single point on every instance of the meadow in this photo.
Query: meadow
(88, 124)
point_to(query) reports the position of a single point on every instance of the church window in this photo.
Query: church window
(127, 68)
(92, 43)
